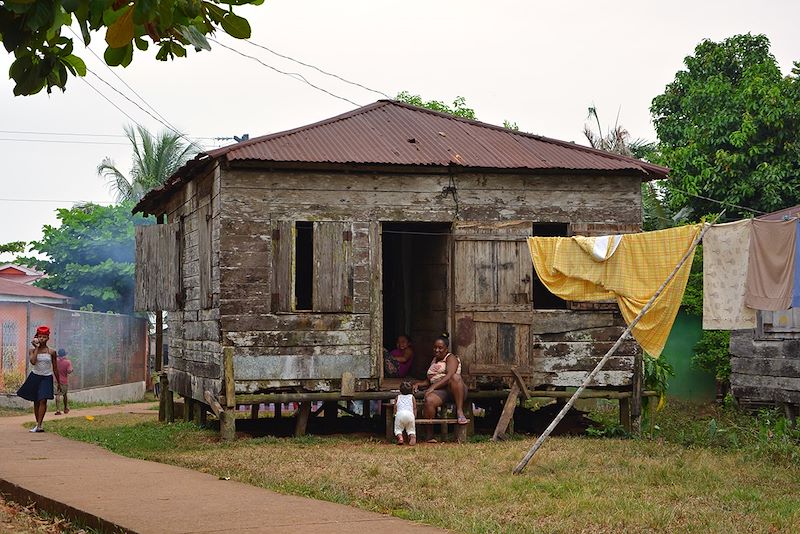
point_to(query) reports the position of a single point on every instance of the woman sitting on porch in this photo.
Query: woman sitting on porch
(444, 383)
(397, 363)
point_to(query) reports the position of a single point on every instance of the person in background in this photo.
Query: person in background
(397, 362)
(404, 414)
(64, 370)
(38, 387)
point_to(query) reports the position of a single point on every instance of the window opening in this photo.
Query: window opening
(304, 266)
(543, 299)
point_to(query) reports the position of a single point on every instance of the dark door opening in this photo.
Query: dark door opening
(415, 291)
(543, 299)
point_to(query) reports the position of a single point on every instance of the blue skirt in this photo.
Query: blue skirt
(36, 387)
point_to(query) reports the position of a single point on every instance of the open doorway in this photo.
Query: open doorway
(415, 291)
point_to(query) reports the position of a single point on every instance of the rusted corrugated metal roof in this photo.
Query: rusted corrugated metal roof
(393, 133)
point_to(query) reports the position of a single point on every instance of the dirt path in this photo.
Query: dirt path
(114, 493)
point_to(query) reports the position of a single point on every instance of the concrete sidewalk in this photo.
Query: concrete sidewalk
(114, 493)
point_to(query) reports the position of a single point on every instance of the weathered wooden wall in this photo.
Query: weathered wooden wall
(765, 362)
(194, 335)
(276, 346)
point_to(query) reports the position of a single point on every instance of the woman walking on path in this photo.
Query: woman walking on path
(38, 387)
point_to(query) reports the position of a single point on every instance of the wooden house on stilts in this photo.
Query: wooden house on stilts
(287, 262)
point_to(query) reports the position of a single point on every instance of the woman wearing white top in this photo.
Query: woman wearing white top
(38, 387)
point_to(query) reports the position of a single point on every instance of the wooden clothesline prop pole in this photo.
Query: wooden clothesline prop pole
(521, 465)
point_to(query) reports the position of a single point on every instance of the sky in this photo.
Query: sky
(538, 64)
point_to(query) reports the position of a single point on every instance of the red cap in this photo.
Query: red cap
(42, 331)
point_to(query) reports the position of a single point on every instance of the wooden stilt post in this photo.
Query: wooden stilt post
(188, 409)
(508, 413)
(588, 380)
(302, 419)
(254, 411)
(278, 406)
(636, 394)
(625, 413)
(227, 424)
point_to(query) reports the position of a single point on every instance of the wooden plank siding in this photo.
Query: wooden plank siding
(195, 348)
(765, 362)
(238, 262)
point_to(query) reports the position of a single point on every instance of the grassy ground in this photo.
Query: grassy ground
(686, 479)
(51, 407)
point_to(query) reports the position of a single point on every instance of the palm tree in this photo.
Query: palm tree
(618, 141)
(154, 160)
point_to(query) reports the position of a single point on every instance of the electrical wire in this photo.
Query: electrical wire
(96, 90)
(721, 202)
(64, 141)
(294, 75)
(53, 201)
(317, 68)
(131, 89)
(126, 97)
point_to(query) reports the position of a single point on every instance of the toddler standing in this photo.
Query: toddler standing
(404, 409)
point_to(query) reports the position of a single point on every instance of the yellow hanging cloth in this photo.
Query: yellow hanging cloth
(631, 274)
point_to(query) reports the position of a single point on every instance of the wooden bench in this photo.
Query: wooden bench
(459, 433)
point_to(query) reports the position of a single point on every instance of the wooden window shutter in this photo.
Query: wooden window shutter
(333, 278)
(158, 268)
(282, 296)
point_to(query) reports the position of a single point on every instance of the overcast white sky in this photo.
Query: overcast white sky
(539, 64)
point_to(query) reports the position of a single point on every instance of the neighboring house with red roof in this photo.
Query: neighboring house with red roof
(15, 293)
(18, 273)
(300, 255)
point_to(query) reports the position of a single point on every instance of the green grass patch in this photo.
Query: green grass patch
(672, 483)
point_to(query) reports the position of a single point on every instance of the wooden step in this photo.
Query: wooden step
(435, 421)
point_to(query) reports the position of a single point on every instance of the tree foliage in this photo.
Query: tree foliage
(729, 128)
(34, 30)
(458, 108)
(90, 256)
(155, 158)
(14, 247)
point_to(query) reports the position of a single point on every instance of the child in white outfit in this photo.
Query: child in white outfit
(404, 409)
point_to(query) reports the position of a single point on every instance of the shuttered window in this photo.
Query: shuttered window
(312, 266)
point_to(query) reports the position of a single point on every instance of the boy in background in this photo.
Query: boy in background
(64, 370)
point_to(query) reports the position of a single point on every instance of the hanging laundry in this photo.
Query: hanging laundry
(770, 270)
(601, 247)
(726, 252)
(632, 275)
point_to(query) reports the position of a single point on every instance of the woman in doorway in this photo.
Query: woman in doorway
(38, 387)
(397, 363)
(444, 383)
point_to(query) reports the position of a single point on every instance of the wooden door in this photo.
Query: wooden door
(492, 273)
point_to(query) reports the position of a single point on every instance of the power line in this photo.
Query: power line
(28, 132)
(96, 90)
(126, 97)
(64, 141)
(294, 75)
(53, 201)
(317, 69)
(720, 202)
(146, 103)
